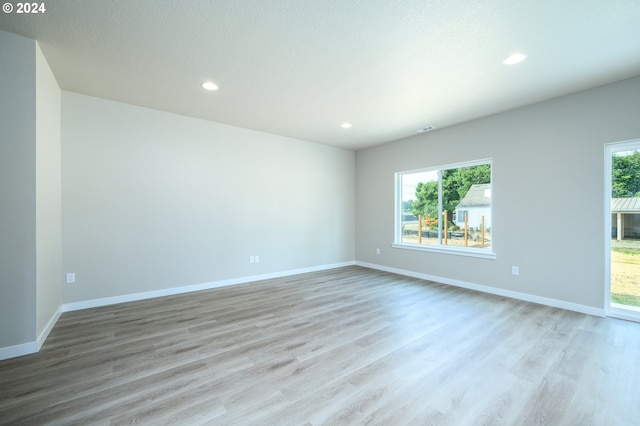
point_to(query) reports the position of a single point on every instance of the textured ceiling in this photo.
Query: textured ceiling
(300, 68)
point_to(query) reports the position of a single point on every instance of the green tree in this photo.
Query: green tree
(426, 202)
(455, 185)
(625, 175)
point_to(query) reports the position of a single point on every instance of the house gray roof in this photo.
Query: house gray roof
(625, 205)
(476, 196)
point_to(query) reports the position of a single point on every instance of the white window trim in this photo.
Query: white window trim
(439, 248)
(456, 250)
(613, 310)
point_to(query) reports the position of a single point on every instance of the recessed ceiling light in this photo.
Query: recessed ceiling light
(210, 85)
(516, 58)
(346, 125)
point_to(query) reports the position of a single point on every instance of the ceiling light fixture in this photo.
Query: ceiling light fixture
(425, 129)
(209, 85)
(346, 125)
(516, 58)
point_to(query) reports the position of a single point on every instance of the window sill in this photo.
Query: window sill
(457, 251)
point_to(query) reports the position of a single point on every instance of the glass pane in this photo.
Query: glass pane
(419, 224)
(463, 194)
(625, 229)
(466, 201)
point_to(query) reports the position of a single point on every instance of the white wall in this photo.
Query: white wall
(548, 158)
(153, 200)
(17, 190)
(48, 194)
(30, 215)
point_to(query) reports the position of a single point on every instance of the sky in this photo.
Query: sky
(411, 180)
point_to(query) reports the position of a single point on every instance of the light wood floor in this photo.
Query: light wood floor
(345, 346)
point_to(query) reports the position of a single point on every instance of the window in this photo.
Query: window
(446, 209)
(462, 214)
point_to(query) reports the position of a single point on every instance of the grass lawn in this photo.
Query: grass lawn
(625, 275)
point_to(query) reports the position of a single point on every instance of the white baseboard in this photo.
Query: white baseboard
(94, 303)
(584, 309)
(19, 350)
(30, 347)
(47, 329)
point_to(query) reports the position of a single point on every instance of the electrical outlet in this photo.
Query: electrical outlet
(377, 251)
(71, 277)
(257, 259)
(515, 270)
(252, 259)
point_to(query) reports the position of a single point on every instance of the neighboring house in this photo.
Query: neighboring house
(625, 216)
(476, 204)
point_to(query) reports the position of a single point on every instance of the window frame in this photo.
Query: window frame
(486, 253)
